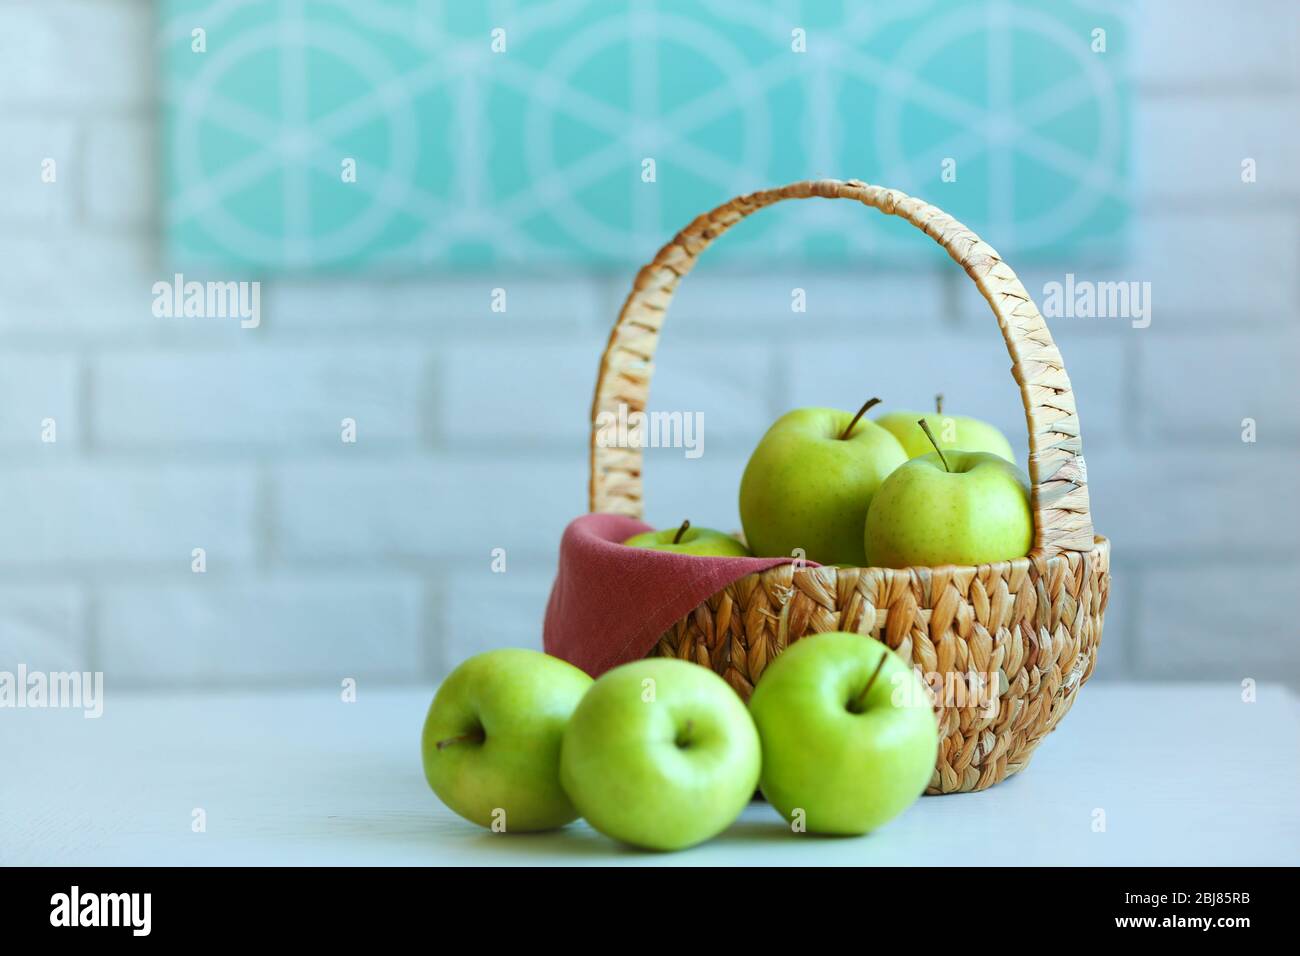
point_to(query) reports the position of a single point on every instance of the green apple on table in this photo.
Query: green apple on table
(950, 507)
(953, 431)
(688, 540)
(809, 482)
(491, 741)
(849, 735)
(661, 754)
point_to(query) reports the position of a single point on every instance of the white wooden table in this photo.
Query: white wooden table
(1184, 774)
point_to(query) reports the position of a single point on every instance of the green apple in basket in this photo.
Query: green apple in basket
(661, 753)
(688, 540)
(848, 730)
(491, 741)
(950, 507)
(810, 480)
(952, 431)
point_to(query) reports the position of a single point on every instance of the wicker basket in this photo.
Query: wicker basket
(1032, 624)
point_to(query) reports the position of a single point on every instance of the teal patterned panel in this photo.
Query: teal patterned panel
(518, 133)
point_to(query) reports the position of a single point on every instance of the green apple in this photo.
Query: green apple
(950, 507)
(661, 754)
(849, 736)
(952, 431)
(688, 540)
(810, 480)
(492, 737)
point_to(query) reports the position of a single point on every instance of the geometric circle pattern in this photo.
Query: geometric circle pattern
(406, 133)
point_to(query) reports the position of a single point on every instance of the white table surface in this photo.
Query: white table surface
(1185, 774)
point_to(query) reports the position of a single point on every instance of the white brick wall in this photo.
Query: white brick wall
(44, 627)
(1201, 44)
(245, 398)
(35, 154)
(75, 285)
(529, 396)
(1208, 267)
(34, 388)
(1237, 375)
(122, 171)
(281, 627)
(1175, 150)
(95, 514)
(453, 507)
(450, 307)
(720, 302)
(1235, 630)
(1166, 503)
(371, 560)
(482, 610)
(1221, 266)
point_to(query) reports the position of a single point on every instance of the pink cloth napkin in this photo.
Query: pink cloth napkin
(610, 603)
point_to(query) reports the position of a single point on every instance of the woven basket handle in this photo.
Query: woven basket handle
(1056, 467)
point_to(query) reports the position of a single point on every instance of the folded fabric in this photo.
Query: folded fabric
(610, 603)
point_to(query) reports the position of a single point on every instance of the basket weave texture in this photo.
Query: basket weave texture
(1006, 646)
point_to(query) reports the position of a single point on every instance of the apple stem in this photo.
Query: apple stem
(930, 435)
(681, 531)
(938, 404)
(867, 406)
(684, 738)
(474, 737)
(860, 701)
